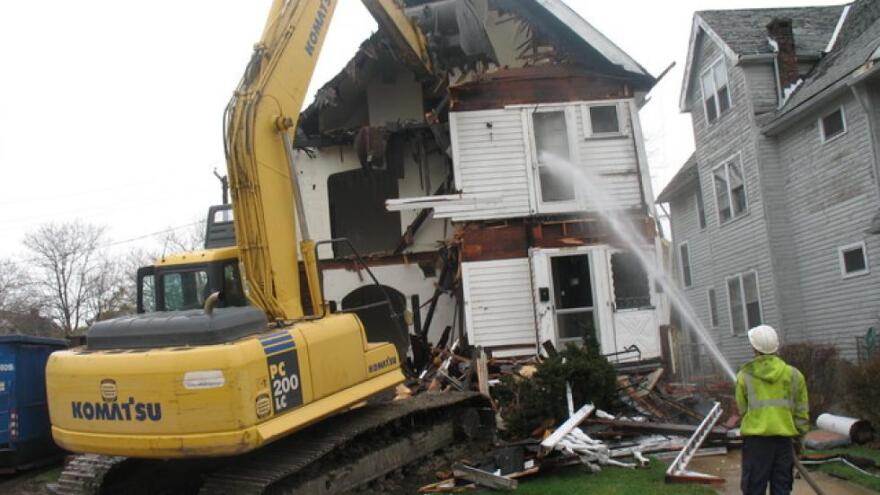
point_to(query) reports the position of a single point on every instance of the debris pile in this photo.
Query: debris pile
(551, 412)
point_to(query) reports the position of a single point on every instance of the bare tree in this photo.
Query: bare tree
(67, 261)
(109, 293)
(189, 238)
(12, 282)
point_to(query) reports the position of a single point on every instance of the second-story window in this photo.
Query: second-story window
(832, 125)
(701, 208)
(730, 190)
(552, 152)
(716, 91)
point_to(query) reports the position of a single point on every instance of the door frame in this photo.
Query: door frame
(540, 260)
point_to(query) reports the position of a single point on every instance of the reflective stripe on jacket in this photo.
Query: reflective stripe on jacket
(772, 398)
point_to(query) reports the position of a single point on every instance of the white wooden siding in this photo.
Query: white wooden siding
(499, 310)
(493, 162)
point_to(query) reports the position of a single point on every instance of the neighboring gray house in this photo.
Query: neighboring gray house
(775, 217)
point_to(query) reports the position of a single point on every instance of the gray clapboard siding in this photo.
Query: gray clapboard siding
(762, 90)
(832, 196)
(739, 245)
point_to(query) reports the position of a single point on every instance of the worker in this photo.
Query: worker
(772, 400)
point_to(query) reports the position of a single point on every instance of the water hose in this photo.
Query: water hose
(806, 474)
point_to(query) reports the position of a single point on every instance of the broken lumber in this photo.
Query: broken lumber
(662, 428)
(484, 478)
(482, 372)
(565, 428)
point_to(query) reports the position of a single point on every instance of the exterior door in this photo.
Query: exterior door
(566, 296)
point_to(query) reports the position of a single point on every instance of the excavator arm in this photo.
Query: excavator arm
(259, 125)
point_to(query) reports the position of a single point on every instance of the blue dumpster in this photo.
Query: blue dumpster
(25, 434)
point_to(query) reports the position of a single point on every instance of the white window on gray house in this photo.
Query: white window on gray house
(713, 307)
(551, 150)
(832, 125)
(701, 208)
(716, 92)
(853, 260)
(744, 299)
(684, 258)
(730, 190)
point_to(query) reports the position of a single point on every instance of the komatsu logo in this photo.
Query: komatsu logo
(317, 26)
(381, 365)
(129, 410)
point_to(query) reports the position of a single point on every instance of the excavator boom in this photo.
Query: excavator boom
(265, 106)
(260, 122)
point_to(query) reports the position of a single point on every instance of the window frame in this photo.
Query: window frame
(712, 299)
(571, 132)
(718, 114)
(852, 247)
(825, 139)
(742, 294)
(587, 119)
(701, 204)
(736, 158)
(686, 284)
(594, 309)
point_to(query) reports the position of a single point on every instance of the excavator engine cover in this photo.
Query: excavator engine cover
(178, 328)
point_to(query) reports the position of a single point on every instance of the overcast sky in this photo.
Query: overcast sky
(111, 109)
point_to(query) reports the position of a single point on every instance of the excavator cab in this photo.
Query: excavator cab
(184, 281)
(177, 284)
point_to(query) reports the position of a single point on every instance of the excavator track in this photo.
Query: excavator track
(333, 456)
(84, 474)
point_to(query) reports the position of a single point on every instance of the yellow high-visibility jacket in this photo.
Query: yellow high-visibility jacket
(772, 398)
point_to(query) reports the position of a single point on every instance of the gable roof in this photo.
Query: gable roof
(687, 175)
(564, 27)
(856, 45)
(743, 32)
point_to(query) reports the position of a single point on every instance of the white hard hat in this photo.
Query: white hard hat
(764, 339)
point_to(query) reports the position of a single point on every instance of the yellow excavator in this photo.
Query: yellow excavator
(209, 376)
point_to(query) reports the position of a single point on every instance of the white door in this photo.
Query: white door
(569, 295)
(635, 314)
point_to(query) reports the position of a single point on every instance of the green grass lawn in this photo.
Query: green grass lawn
(611, 481)
(843, 471)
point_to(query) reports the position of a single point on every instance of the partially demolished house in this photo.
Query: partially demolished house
(441, 182)
(776, 216)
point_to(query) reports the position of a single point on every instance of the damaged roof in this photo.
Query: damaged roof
(686, 176)
(855, 48)
(743, 32)
(553, 21)
(563, 25)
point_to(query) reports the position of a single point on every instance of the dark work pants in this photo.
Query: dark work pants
(767, 460)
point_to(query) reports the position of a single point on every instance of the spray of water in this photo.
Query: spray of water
(594, 198)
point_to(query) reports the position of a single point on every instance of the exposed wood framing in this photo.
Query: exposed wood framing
(536, 85)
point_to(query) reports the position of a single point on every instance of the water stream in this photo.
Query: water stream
(594, 198)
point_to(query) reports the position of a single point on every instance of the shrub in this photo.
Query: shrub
(862, 391)
(527, 404)
(823, 369)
